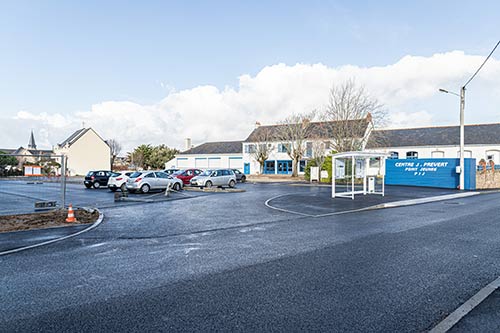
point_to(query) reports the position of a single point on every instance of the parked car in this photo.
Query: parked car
(97, 179)
(145, 181)
(186, 175)
(170, 171)
(240, 176)
(118, 180)
(219, 177)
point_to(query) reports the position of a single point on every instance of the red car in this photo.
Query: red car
(186, 175)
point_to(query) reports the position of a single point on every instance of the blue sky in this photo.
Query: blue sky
(63, 57)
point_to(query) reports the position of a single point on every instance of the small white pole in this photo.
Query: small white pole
(333, 176)
(352, 176)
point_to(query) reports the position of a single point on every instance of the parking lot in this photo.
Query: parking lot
(19, 196)
(226, 260)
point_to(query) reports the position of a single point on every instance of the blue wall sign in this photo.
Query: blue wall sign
(432, 172)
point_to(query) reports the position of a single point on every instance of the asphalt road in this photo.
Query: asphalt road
(226, 262)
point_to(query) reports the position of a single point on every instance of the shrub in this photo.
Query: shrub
(327, 166)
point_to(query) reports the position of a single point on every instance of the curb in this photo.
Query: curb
(93, 226)
(419, 201)
(214, 190)
(464, 309)
(393, 204)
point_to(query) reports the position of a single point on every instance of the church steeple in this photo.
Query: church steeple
(32, 144)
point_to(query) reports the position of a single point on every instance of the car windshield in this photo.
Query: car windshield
(206, 173)
(177, 172)
(115, 174)
(90, 173)
(135, 174)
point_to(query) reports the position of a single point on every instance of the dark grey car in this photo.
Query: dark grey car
(240, 176)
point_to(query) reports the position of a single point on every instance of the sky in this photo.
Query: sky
(157, 72)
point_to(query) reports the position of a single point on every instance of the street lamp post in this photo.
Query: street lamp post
(462, 138)
(462, 107)
(462, 133)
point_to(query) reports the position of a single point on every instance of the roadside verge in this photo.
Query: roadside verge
(23, 248)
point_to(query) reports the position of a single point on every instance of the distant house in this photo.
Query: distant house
(481, 142)
(85, 150)
(226, 154)
(30, 154)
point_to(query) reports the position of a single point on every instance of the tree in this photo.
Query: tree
(140, 156)
(262, 147)
(349, 110)
(147, 156)
(319, 151)
(294, 130)
(115, 148)
(7, 163)
(160, 155)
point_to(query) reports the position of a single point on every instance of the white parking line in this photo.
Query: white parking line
(465, 308)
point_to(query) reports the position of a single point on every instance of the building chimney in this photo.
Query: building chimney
(188, 144)
(257, 124)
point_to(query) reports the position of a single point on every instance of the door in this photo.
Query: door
(150, 179)
(162, 180)
(269, 167)
(246, 169)
(284, 167)
(219, 178)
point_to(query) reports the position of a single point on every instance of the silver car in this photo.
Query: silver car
(145, 181)
(218, 177)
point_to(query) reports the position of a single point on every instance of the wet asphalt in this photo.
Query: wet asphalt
(227, 262)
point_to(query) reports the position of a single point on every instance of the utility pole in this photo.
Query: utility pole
(462, 138)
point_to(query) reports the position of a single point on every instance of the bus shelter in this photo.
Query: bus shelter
(358, 172)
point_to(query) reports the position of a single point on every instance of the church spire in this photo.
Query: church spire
(32, 144)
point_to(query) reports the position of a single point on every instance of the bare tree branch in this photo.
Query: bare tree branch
(294, 130)
(262, 147)
(352, 111)
(116, 148)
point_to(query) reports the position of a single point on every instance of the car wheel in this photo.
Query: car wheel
(123, 188)
(145, 188)
(97, 185)
(88, 185)
(208, 184)
(243, 179)
(177, 187)
(113, 189)
(232, 183)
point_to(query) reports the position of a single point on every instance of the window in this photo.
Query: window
(249, 149)
(283, 147)
(150, 175)
(394, 155)
(302, 166)
(374, 162)
(437, 154)
(326, 145)
(225, 173)
(309, 149)
(412, 155)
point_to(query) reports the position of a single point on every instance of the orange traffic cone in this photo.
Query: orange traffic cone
(71, 214)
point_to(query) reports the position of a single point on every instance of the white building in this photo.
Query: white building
(85, 150)
(481, 142)
(226, 154)
(279, 162)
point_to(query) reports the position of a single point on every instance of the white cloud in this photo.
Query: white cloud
(206, 113)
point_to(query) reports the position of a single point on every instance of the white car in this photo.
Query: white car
(218, 177)
(118, 180)
(145, 181)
